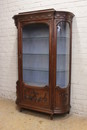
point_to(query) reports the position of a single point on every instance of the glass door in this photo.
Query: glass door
(63, 54)
(35, 44)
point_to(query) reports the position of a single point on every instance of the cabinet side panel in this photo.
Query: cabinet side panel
(62, 100)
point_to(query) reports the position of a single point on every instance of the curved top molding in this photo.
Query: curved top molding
(43, 14)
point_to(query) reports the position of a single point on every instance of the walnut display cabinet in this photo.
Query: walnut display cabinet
(44, 60)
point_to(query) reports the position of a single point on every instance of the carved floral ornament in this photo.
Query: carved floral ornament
(35, 96)
(32, 17)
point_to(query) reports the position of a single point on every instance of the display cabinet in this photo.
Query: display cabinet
(44, 60)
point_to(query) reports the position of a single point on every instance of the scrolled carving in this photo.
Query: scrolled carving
(64, 98)
(39, 16)
(35, 96)
(63, 17)
(29, 17)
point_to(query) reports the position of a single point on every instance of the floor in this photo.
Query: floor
(12, 119)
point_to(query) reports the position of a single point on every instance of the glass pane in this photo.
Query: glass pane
(36, 54)
(63, 45)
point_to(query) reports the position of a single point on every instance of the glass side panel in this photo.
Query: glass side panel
(35, 51)
(63, 45)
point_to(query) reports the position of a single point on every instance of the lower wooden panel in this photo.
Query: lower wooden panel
(37, 97)
(61, 100)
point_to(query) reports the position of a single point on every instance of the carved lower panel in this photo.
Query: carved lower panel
(62, 98)
(36, 97)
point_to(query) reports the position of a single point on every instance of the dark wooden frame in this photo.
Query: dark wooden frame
(52, 99)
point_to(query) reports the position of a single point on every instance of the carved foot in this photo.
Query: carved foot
(51, 116)
(21, 109)
(68, 112)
